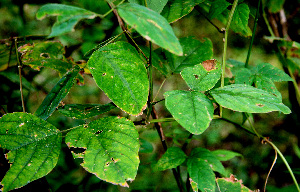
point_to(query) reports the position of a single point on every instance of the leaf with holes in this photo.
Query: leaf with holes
(151, 25)
(271, 72)
(84, 111)
(199, 79)
(176, 9)
(67, 17)
(231, 184)
(243, 76)
(111, 148)
(172, 158)
(201, 175)
(56, 95)
(120, 72)
(267, 84)
(34, 146)
(45, 54)
(245, 98)
(191, 109)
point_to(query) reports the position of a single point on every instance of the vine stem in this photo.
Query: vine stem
(225, 46)
(20, 75)
(253, 34)
(285, 162)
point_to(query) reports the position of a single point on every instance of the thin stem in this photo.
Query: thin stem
(150, 76)
(285, 162)
(20, 75)
(159, 90)
(267, 22)
(253, 34)
(111, 10)
(161, 120)
(270, 170)
(225, 47)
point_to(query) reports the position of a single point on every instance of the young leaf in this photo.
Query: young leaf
(225, 155)
(194, 52)
(192, 110)
(176, 9)
(245, 98)
(217, 7)
(209, 157)
(58, 92)
(34, 146)
(85, 111)
(199, 79)
(111, 148)
(151, 25)
(67, 17)
(271, 72)
(240, 19)
(201, 175)
(155, 5)
(172, 158)
(120, 72)
(45, 54)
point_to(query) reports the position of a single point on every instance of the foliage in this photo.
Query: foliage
(108, 139)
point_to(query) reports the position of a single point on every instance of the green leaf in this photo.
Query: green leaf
(85, 111)
(239, 23)
(151, 26)
(192, 110)
(245, 98)
(267, 84)
(45, 54)
(146, 146)
(172, 158)
(194, 52)
(111, 148)
(199, 79)
(176, 9)
(225, 155)
(67, 17)
(217, 7)
(34, 146)
(209, 157)
(155, 5)
(201, 175)
(271, 72)
(120, 72)
(243, 76)
(56, 95)
(226, 184)
(275, 5)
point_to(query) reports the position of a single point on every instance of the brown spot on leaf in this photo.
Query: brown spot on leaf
(196, 76)
(259, 105)
(209, 64)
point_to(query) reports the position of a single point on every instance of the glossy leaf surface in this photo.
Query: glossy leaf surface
(192, 110)
(245, 98)
(45, 54)
(67, 17)
(56, 95)
(34, 147)
(151, 25)
(120, 72)
(84, 111)
(172, 158)
(111, 148)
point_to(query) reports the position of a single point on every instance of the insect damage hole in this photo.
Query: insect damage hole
(98, 132)
(196, 76)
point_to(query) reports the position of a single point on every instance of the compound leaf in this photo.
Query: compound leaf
(85, 111)
(245, 98)
(172, 158)
(34, 146)
(67, 17)
(192, 110)
(151, 25)
(111, 148)
(58, 92)
(199, 79)
(120, 72)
